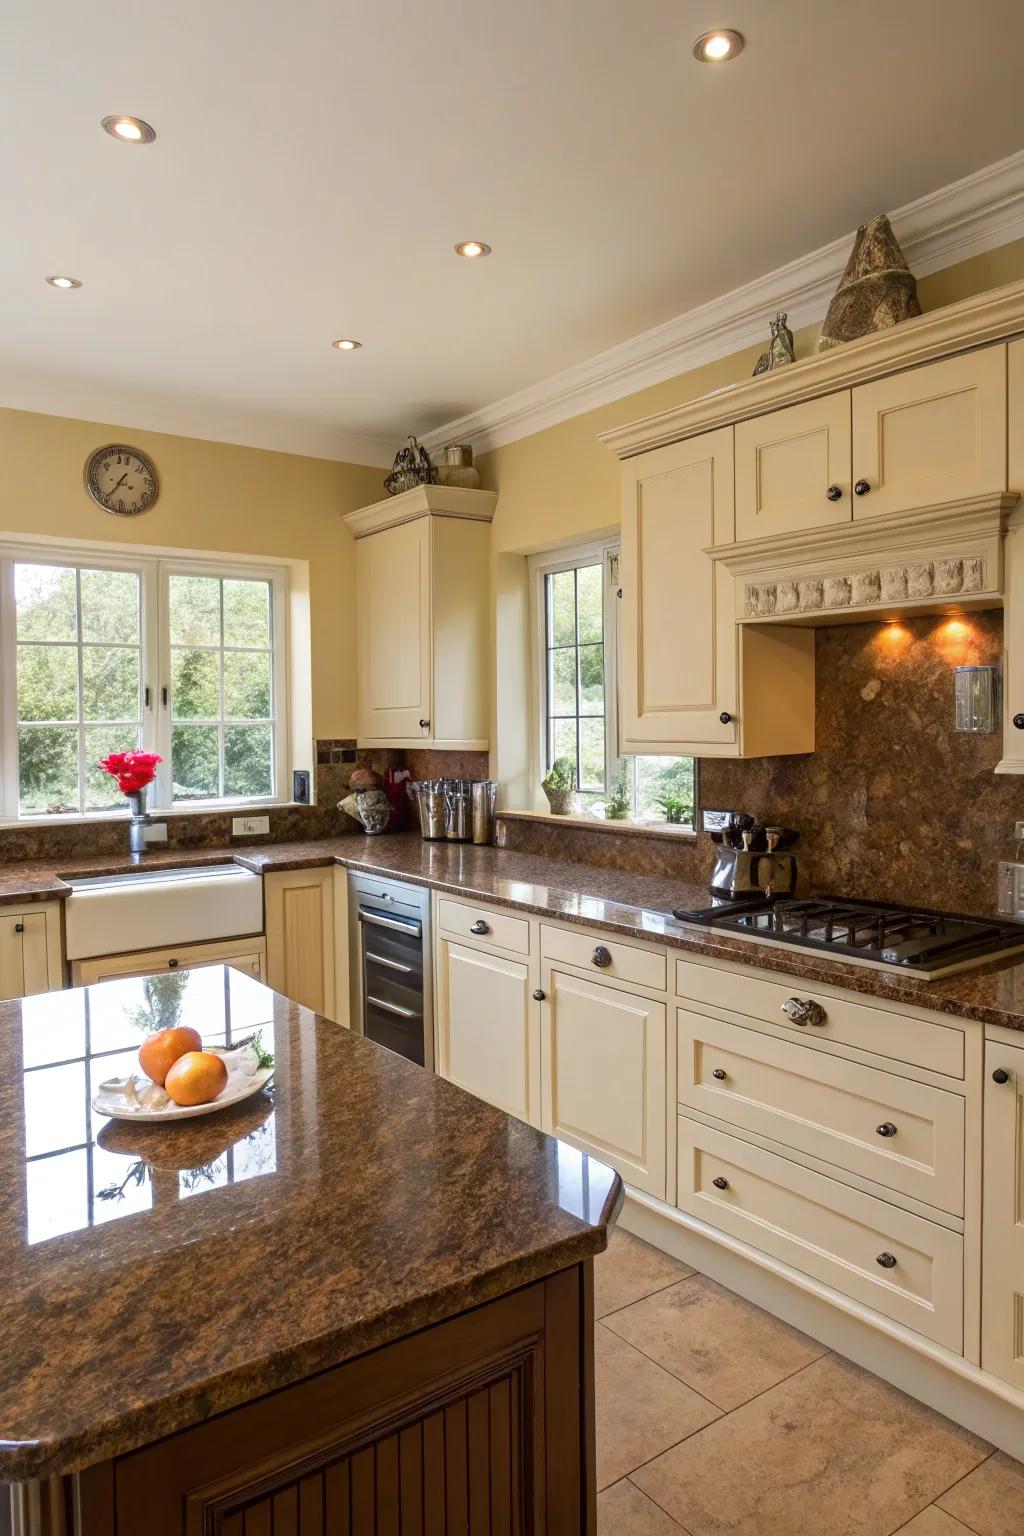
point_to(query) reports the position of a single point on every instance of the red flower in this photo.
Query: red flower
(132, 770)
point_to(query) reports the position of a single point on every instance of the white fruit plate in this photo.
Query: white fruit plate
(120, 1097)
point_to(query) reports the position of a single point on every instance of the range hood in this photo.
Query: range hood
(938, 559)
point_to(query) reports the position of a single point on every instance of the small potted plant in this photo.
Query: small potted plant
(677, 810)
(559, 784)
(134, 772)
(617, 806)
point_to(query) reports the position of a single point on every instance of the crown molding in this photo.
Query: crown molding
(966, 218)
(422, 501)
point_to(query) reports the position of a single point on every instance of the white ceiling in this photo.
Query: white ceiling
(316, 162)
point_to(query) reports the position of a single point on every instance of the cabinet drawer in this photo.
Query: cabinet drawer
(499, 929)
(906, 1135)
(937, 1047)
(834, 1234)
(624, 962)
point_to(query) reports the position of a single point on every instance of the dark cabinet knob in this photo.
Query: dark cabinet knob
(725, 717)
(171, 965)
(861, 488)
(1018, 721)
(719, 1074)
(480, 926)
(424, 724)
(834, 493)
(601, 957)
(720, 1183)
(19, 927)
(886, 1128)
(539, 995)
(1000, 1075)
(887, 1260)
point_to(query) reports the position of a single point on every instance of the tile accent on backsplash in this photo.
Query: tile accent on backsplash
(894, 804)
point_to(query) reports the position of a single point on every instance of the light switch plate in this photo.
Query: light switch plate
(250, 826)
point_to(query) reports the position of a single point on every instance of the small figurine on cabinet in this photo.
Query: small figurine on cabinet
(780, 350)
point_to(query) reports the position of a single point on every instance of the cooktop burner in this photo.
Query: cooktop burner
(910, 940)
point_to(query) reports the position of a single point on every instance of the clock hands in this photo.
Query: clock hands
(119, 484)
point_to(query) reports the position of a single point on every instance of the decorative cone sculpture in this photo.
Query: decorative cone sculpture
(877, 289)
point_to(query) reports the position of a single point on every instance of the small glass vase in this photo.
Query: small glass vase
(139, 822)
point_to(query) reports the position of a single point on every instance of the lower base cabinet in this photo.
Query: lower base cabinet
(488, 1027)
(1002, 1309)
(299, 917)
(248, 955)
(603, 1075)
(30, 950)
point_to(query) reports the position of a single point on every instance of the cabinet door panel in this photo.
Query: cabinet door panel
(300, 936)
(931, 434)
(393, 606)
(785, 463)
(1002, 1302)
(603, 1076)
(30, 951)
(488, 1028)
(678, 671)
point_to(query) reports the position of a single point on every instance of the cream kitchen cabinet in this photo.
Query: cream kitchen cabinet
(31, 958)
(930, 435)
(1002, 1337)
(247, 955)
(300, 924)
(422, 595)
(488, 1026)
(603, 1074)
(793, 468)
(691, 682)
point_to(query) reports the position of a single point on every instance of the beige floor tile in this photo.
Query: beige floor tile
(726, 1348)
(641, 1409)
(933, 1522)
(991, 1500)
(622, 1510)
(833, 1451)
(629, 1269)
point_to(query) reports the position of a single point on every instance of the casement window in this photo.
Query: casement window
(574, 597)
(105, 653)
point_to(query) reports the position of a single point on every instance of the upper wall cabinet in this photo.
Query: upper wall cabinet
(691, 682)
(930, 435)
(422, 587)
(793, 468)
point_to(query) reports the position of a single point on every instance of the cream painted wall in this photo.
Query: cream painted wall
(562, 485)
(213, 496)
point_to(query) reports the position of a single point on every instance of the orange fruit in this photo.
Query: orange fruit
(158, 1054)
(196, 1078)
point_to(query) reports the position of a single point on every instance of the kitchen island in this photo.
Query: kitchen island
(359, 1302)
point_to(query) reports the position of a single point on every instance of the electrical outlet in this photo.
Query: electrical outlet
(1018, 830)
(250, 826)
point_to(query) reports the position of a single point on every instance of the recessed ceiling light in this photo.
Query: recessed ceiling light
(346, 344)
(471, 249)
(130, 130)
(63, 282)
(718, 46)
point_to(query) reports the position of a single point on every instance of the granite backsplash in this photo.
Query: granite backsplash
(894, 804)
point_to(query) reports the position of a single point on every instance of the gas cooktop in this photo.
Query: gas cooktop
(910, 940)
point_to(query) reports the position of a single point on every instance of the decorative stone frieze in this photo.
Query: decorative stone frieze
(863, 589)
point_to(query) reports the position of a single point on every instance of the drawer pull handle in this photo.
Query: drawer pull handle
(720, 1183)
(19, 927)
(886, 1128)
(424, 724)
(887, 1260)
(803, 1011)
(834, 493)
(172, 965)
(480, 926)
(601, 957)
(720, 1074)
(539, 995)
(1000, 1075)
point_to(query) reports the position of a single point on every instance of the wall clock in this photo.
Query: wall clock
(121, 480)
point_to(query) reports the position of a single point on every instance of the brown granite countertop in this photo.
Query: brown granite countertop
(638, 906)
(151, 1277)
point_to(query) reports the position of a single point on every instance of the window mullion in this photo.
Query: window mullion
(81, 690)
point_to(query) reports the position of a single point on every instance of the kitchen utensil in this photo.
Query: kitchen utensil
(484, 794)
(430, 805)
(458, 810)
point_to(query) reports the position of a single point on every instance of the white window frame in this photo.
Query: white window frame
(153, 572)
(540, 566)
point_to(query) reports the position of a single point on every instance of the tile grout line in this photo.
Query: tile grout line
(956, 1484)
(683, 1528)
(679, 1280)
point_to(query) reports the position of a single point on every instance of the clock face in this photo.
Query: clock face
(121, 480)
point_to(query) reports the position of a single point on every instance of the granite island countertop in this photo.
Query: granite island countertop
(151, 1277)
(636, 906)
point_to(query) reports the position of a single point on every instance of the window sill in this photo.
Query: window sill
(156, 813)
(659, 829)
